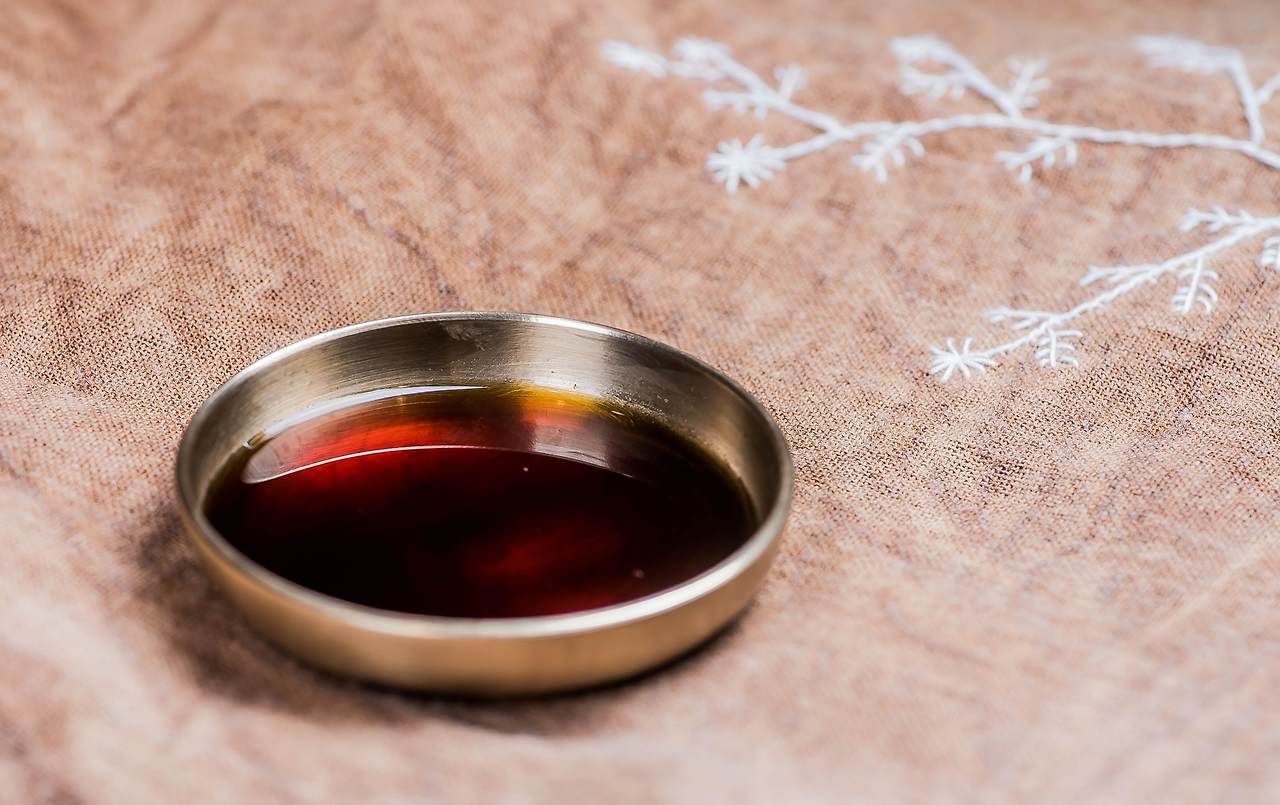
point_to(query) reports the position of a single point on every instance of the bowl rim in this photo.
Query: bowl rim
(407, 624)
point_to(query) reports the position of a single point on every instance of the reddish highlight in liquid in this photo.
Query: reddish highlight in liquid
(481, 503)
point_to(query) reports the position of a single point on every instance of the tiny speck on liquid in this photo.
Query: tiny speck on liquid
(638, 573)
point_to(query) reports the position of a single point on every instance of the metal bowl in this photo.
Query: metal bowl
(489, 656)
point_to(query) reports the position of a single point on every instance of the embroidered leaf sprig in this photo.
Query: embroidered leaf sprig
(932, 68)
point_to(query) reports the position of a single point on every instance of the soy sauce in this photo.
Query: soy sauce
(480, 502)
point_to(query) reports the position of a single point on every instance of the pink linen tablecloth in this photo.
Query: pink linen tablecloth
(1052, 578)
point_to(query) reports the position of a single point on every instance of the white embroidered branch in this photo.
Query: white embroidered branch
(1196, 290)
(1197, 57)
(961, 76)
(886, 144)
(1267, 90)
(1053, 348)
(1044, 149)
(1043, 330)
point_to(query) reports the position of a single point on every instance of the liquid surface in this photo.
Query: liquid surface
(480, 502)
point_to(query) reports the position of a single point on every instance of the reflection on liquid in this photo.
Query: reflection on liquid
(438, 416)
(480, 502)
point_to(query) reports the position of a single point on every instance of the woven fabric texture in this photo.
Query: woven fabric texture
(1036, 585)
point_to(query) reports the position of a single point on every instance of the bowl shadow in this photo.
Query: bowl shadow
(224, 657)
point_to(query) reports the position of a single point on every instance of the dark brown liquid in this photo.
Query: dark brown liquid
(481, 503)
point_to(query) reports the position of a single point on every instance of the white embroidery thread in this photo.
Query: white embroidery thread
(1043, 330)
(887, 144)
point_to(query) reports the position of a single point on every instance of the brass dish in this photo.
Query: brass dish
(489, 656)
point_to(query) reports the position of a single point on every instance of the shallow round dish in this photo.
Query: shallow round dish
(492, 656)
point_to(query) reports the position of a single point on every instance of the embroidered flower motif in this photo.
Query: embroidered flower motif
(734, 162)
(946, 362)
